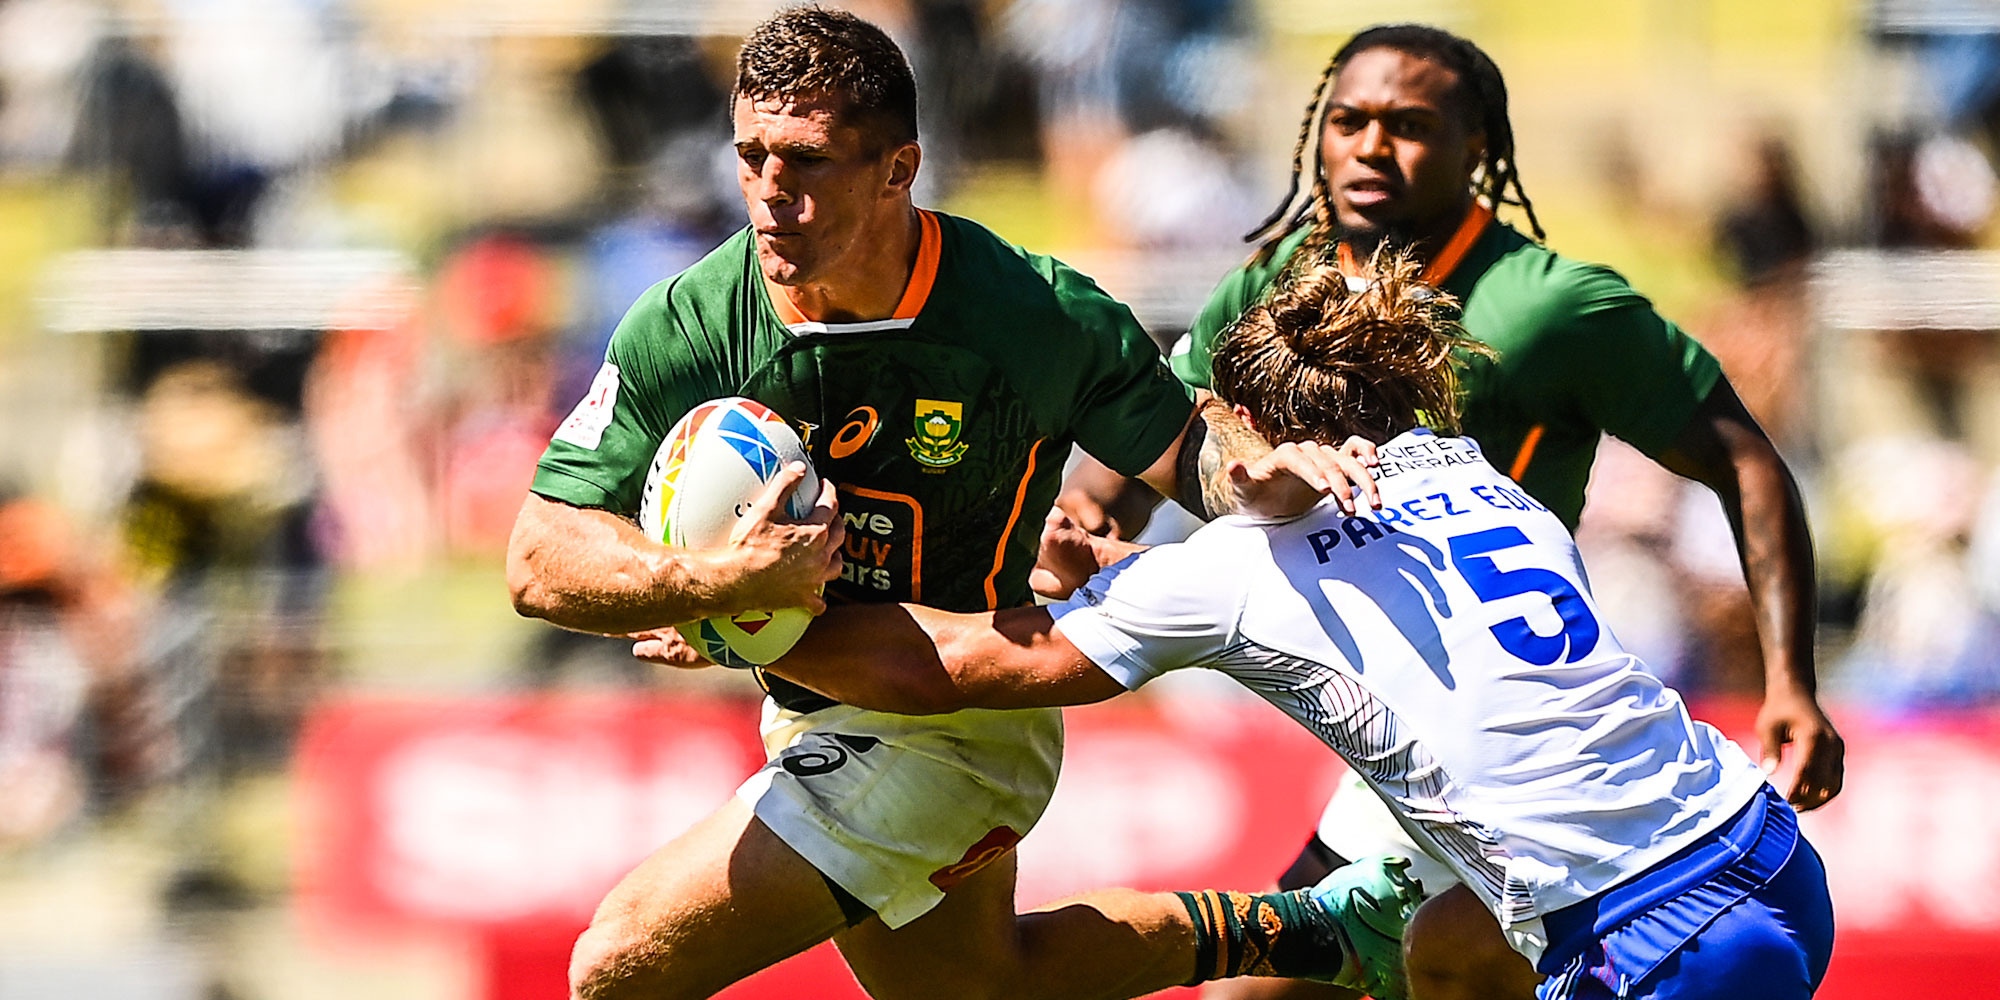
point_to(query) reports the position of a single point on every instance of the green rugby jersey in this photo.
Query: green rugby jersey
(1580, 353)
(945, 429)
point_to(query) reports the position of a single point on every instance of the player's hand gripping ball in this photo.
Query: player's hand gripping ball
(713, 463)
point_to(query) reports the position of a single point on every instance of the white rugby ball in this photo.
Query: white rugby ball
(707, 472)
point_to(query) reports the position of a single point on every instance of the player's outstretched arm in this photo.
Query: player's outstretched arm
(913, 660)
(1725, 449)
(594, 571)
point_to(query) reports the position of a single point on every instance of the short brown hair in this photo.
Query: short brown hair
(814, 52)
(1318, 360)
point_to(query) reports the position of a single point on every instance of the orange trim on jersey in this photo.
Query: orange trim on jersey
(1526, 454)
(1455, 249)
(930, 248)
(1440, 267)
(916, 534)
(1000, 550)
(781, 301)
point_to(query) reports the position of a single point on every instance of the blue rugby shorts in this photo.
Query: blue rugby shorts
(1744, 912)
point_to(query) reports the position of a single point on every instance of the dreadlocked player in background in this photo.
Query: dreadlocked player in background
(1415, 150)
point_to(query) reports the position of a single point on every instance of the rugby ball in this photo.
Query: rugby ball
(706, 473)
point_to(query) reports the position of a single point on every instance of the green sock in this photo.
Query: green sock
(1262, 934)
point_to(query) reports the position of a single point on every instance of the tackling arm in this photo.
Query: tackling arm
(913, 660)
(1724, 448)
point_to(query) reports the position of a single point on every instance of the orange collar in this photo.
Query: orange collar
(929, 247)
(1448, 259)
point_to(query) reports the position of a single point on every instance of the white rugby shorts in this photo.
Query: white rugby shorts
(1358, 824)
(898, 809)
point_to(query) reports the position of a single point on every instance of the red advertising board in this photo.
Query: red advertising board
(508, 817)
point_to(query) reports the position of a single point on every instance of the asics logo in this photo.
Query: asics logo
(857, 431)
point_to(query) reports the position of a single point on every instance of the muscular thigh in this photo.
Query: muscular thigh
(964, 947)
(1453, 948)
(721, 901)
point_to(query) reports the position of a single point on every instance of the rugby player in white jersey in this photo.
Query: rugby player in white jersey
(1445, 644)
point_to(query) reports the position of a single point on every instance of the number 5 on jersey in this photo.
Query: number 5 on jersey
(1579, 627)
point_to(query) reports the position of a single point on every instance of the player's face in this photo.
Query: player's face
(813, 186)
(1397, 154)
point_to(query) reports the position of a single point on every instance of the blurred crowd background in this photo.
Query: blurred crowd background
(292, 293)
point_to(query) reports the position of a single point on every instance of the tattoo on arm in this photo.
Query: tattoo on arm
(1196, 466)
(1219, 436)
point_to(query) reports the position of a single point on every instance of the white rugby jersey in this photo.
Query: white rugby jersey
(1448, 648)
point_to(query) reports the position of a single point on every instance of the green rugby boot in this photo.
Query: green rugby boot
(1367, 903)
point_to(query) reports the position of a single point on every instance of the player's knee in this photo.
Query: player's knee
(593, 955)
(1432, 968)
(1452, 947)
(604, 961)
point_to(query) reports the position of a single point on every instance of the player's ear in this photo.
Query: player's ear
(1243, 413)
(1475, 151)
(903, 163)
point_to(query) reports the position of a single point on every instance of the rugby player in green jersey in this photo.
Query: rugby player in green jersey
(1415, 150)
(938, 377)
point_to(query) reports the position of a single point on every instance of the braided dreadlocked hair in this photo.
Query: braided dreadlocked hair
(1483, 93)
(1319, 359)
